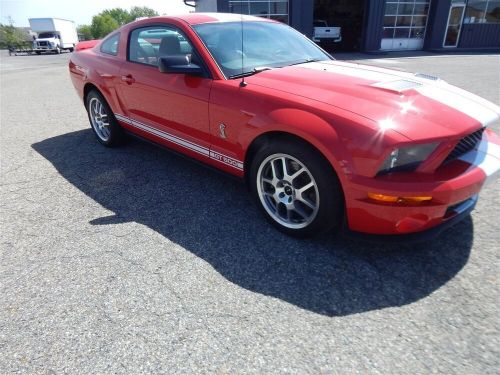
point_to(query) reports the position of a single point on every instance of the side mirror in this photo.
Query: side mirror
(178, 64)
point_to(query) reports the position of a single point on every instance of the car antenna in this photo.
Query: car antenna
(242, 83)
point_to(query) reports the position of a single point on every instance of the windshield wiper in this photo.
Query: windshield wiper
(257, 69)
(305, 61)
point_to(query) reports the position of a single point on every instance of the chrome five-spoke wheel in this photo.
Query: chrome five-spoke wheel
(99, 119)
(288, 191)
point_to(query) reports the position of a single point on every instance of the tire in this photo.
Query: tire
(102, 120)
(305, 201)
(38, 52)
(71, 49)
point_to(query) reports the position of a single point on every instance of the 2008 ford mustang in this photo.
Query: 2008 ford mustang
(320, 143)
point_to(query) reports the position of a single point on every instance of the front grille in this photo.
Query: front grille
(466, 144)
(43, 44)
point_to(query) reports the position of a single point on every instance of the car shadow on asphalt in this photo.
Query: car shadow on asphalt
(212, 216)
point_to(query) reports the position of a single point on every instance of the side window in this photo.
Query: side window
(110, 45)
(147, 44)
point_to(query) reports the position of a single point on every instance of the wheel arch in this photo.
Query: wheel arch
(108, 96)
(89, 86)
(272, 136)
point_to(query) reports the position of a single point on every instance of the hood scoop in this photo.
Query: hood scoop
(427, 76)
(398, 86)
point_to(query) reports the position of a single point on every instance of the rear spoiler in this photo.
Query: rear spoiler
(86, 44)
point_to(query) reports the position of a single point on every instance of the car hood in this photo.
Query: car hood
(417, 106)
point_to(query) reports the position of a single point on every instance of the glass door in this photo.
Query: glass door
(457, 10)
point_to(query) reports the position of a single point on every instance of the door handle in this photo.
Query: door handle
(128, 79)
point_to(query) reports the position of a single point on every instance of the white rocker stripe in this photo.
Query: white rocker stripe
(224, 159)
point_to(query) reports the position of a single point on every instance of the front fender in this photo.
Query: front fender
(307, 126)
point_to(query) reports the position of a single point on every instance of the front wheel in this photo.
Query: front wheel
(296, 189)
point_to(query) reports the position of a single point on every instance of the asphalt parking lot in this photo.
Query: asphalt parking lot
(135, 260)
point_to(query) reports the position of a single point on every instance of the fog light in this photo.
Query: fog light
(394, 199)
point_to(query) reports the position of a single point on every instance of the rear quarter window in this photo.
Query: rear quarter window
(111, 44)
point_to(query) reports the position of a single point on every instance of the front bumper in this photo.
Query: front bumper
(44, 48)
(454, 189)
(460, 212)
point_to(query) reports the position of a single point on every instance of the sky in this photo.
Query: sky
(80, 11)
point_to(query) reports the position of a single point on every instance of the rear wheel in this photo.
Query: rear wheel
(71, 49)
(102, 120)
(296, 189)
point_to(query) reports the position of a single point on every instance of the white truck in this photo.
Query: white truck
(322, 31)
(54, 35)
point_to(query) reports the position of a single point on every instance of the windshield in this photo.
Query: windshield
(46, 35)
(265, 44)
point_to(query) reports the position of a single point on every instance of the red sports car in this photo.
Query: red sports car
(320, 143)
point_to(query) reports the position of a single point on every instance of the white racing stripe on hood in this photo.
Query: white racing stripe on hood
(398, 81)
(348, 70)
(471, 105)
(486, 157)
(398, 86)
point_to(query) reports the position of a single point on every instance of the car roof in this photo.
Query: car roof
(198, 18)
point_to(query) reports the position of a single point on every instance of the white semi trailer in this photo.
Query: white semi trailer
(54, 35)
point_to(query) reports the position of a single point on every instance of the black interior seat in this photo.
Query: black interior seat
(170, 45)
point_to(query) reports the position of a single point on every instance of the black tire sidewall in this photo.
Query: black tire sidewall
(331, 208)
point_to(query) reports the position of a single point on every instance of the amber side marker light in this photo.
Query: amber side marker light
(393, 199)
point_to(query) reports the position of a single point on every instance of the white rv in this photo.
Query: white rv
(54, 34)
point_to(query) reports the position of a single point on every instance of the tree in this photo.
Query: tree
(102, 25)
(111, 19)
(85, 32)
(120, 15)
(11, 36)
(136, 12)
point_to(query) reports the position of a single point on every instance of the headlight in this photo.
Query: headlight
(407, 158)
(52, 44)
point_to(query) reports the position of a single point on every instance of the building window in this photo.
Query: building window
(405, 22)
(276, 10)
(405, 19)
(482, 11)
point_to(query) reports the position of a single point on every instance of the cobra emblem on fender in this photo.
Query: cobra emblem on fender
(222, 131)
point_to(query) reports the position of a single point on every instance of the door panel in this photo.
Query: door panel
(170, 108)
(173, 103)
